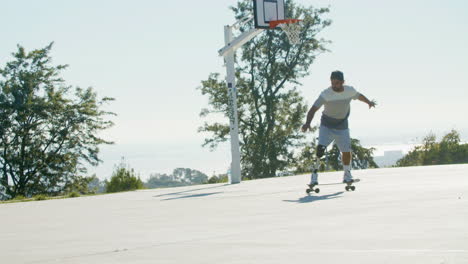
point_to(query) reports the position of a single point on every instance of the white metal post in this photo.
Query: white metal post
(235, 175)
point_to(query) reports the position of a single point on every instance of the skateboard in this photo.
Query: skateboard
(349, 186)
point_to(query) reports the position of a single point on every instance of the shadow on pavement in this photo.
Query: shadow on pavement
(312, 198)
(192, 190)
(191, 196)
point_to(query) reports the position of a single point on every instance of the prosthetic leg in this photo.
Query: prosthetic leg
(315, 168)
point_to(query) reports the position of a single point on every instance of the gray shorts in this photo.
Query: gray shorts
(340, 136)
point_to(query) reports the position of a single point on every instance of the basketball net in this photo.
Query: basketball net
(292, 28)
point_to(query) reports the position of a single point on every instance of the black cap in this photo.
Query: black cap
(337, 75)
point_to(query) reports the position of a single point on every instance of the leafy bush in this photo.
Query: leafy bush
(81, 185)
(179, 177)
(73, 195)
(448, 151)
(123, 179)
(20, 197)
(40, 197)
(222, 178)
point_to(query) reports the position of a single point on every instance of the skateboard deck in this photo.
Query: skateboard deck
(349, 186)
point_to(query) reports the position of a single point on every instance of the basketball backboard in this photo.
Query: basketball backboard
(266, 11)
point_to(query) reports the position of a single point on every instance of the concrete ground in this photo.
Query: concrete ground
(402, 215)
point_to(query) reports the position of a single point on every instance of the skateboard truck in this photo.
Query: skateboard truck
(311, 189)
(350, 186)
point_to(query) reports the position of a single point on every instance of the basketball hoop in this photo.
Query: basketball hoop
(291, 27)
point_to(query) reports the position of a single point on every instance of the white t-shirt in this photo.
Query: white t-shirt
(337, 106)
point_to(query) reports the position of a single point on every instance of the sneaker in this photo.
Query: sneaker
(347, 177)
(313, 179)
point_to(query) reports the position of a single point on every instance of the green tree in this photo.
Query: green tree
(190, 176)
(48, 130)
(270, 108)
(96, 185)
(123, 179)
(179, 177)
(430, 152)
(421, 155)
(162, 180)
(305, 158)
(81, 184)
(450, 149)
(413, 158)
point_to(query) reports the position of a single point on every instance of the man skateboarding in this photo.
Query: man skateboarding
(334, 122)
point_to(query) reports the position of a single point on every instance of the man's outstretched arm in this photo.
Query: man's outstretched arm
(310, 116)
(364, 99)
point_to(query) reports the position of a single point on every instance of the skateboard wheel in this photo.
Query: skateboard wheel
(353, 188)
(308, 191)
(347, 188)
(317, 190)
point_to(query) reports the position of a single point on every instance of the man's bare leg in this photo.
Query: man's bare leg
(346, 159)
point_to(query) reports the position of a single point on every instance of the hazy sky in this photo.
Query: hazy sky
(410, 56)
